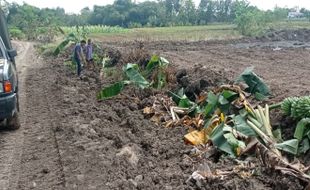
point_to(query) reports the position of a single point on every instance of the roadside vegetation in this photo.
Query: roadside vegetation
(32, 23)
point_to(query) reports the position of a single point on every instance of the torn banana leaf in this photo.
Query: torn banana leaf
(255, 83)
(111, 90)
(290, 146)
(185, 102)
(242, 127)
(70, 38)
(220, 142)
(304, 146)
(212, 103)
(236, 144)
(132, 72)
(301, 128)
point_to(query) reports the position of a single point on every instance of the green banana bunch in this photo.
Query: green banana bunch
(297, 108)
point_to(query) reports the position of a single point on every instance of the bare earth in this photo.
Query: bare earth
(68, 140)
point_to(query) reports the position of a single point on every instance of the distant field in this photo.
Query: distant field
(188, 33)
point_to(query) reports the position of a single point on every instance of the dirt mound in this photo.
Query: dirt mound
(301, 35)
(112, 145)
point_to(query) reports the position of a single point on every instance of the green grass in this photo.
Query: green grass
(177, 33)
(188, 33)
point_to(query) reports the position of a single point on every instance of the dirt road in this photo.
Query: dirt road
(29, 157)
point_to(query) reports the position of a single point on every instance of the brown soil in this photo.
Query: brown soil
(69, 140)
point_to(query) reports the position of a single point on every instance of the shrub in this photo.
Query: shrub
(17, 33)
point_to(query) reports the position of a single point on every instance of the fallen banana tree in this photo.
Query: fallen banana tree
(153, 76)
(226, 120)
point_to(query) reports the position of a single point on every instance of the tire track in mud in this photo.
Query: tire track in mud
(41, 166)
(29, 157)
(11, 141)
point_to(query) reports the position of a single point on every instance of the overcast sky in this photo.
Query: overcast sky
(74, 6)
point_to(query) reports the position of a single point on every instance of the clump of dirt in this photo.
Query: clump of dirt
(139, 56)
(302, 35)
(199, 78)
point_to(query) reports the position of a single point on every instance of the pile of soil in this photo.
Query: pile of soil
(301, 35)
(112, 145)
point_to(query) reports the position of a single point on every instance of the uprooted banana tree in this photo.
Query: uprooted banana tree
(225, 119)
(154, 75)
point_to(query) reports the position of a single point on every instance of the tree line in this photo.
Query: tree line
(126, 13)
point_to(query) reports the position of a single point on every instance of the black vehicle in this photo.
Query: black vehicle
(9, 106)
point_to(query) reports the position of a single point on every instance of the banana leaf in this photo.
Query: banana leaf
(242, 127)
(290, 146)
(158, 65)
(301, 128)
(70, 38)
(156, 62)
(305, 146)
(277, 135)
(61, 46)
(176, 97)
(232, 140)
(220, 142)
(132, 72)
(152, 64)
(161, 79)
(111, 90)
(229, 95)
(212, 103)
(254, 82)
(185, 102)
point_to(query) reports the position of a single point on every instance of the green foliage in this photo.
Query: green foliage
(47, 49)
(98, 29)
(71, 65)
(17, 33)
(159, 66)
(250, 20)
(290, 146)
(302, 129)
(34, 22)
(219, 141)
(134, 75)
(111, 90)
(70, 38)
(255, 84)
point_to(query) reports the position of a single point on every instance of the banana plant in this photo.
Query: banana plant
(134, 75)
(70, 38)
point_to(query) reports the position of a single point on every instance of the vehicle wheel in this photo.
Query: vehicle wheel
(13, 122)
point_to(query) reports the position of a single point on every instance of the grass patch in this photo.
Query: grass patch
(188, 33)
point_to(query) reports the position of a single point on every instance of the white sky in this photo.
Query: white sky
(74, 6)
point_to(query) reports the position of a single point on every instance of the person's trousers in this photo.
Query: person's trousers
(78, 67)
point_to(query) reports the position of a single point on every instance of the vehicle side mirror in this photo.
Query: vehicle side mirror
(12, 53)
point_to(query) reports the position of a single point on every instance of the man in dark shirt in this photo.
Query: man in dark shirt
(78, 56)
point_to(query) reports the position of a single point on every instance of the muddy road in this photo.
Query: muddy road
(30, 156)
(69, 140)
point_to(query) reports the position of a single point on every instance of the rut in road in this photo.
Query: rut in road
(30, 155)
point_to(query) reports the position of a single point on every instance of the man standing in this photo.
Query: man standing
(78, 56)
(89, 53)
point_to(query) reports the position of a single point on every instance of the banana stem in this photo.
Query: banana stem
(275, 106)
